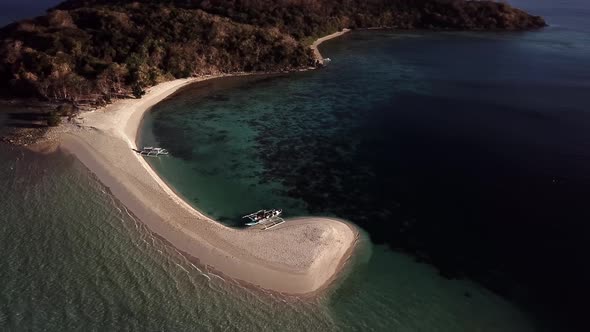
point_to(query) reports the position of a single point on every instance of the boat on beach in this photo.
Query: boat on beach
(151, 151)
(269, 218)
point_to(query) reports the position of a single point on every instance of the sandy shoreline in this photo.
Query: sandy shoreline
(299, 257)
(316, 52)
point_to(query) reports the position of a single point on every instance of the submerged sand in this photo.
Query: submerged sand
(300, 256)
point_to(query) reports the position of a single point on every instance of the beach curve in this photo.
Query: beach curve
(315, 45)
(301, 256)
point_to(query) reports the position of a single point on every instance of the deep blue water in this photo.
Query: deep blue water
(469, 151)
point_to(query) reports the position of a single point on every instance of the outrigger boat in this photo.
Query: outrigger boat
(150, 151)
(263, 216)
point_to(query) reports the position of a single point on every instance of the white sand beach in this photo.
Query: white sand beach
(300, 256)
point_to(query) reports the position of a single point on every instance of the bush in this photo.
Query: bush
(65, 110)
(54, 119)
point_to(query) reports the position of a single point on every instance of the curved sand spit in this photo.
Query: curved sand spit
(300, 256)
(316, 52)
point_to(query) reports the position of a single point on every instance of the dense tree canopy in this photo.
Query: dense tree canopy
(95, 50)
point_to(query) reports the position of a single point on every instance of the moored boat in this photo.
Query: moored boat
(151, 151)
(261, 216)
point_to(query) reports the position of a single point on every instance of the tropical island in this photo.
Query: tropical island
(126, 56)
(91, 51)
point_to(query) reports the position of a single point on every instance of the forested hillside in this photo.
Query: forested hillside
(94, 50)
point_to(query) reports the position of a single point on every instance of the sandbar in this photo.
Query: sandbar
(299, 257)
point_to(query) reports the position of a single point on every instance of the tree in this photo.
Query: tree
(138, 91)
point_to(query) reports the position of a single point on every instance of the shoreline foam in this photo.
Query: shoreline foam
(301, 256)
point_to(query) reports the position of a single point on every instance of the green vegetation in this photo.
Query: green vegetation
(53, 119)
(65, 110)
(90, 51)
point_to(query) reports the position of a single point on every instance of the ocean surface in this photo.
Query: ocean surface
(464, 157)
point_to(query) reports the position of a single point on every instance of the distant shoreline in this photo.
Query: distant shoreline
(284, 259)
(316, 52)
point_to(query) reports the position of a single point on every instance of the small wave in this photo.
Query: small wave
(215, 275)
(180, 266)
